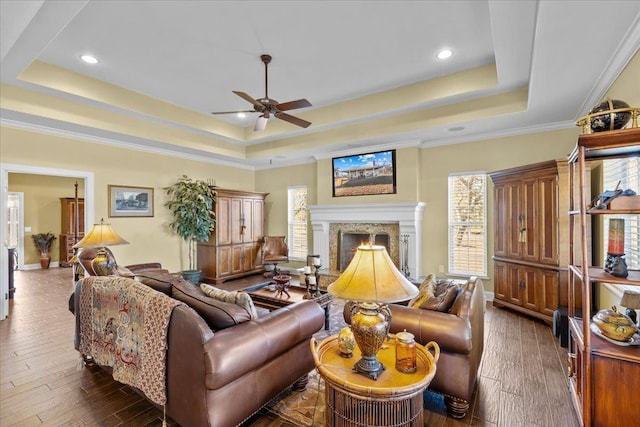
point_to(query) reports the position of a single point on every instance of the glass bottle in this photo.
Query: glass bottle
(405, 352)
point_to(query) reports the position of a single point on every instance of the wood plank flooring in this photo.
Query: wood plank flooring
(43, 382)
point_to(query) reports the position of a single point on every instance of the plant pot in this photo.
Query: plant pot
(45, 260)
(192, 276)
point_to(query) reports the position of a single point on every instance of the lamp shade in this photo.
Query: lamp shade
(630, 300)
(99, 236)
(372, 277)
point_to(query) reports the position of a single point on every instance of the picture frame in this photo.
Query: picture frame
(364, 174)
(130, 201)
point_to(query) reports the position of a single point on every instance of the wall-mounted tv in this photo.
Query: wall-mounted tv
(365, 174)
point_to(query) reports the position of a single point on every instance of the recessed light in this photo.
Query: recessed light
(89, 59)
(444, 54)
(456, 129)
(241, 115)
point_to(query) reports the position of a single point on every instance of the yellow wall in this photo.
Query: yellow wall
(150, 238)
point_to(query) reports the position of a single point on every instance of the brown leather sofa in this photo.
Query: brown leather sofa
(220, 377)
(459, 331)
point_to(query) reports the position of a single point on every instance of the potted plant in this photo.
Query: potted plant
(191, 203)
(43, 242)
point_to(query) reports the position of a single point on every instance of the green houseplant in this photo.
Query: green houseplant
(43, 242)
(191, 204)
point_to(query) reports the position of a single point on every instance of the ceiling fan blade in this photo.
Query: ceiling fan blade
(261, 123)
(292, 119)
(249, 99)
(292, 105)
(233, 112)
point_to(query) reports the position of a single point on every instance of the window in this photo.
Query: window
(297, 214)
(627, 172)
(468, 224)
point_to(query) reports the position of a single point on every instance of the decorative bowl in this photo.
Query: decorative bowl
(614, 325)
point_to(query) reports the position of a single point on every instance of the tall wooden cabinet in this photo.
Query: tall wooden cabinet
(604, 377)
(233, 249)
(68, 217)
(530, 254)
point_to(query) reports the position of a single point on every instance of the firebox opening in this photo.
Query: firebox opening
(348, 244)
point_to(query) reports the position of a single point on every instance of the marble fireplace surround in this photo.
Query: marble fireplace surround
(395, 219)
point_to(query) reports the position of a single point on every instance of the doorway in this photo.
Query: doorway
(15, 227)
(5, 169)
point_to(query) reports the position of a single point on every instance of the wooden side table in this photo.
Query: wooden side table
(394, 399)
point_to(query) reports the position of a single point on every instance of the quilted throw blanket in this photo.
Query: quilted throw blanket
(123, 324)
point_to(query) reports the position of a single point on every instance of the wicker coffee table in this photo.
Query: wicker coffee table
(263, 295)
(354, 400)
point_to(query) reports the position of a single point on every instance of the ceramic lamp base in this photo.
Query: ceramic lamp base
(370, 326)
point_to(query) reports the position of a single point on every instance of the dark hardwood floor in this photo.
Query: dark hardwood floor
(43, 382)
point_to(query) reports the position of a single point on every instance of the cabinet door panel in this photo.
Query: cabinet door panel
(528, 277)
(224, 259)
(500, 281)
(223, 223)
(500, 221)
(235, 221)
(548, 291)
(514, 284)
(237, 259)
(246, 220)
(513, 220)
(529, 220)
(258, 220)
(547, 234)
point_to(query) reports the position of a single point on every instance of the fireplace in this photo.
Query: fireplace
(401, 222)
(348, 244)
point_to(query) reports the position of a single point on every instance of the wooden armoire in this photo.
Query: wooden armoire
(530, 238)
(233, 249)
(68, 217)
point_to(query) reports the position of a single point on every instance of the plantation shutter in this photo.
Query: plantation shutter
(297, 222)
(468, 224)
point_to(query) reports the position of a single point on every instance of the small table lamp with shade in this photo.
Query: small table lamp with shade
(631, 300)
(100, 236)
(370, 279)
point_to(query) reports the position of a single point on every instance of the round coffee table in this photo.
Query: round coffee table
(394, 399)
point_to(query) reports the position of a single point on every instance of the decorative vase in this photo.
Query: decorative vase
(45, 260)
(346, 342)
(192, 276)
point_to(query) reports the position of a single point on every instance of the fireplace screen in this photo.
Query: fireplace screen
(349, 242)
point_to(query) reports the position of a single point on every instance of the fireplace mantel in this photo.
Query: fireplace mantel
(408, 215)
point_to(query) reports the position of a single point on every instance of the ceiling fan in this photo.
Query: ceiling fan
(270, 107)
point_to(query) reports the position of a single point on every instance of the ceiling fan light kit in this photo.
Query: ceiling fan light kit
(267, 106)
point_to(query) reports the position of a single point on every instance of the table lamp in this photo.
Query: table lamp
(371, 278)
(100, 236)
(631, 300)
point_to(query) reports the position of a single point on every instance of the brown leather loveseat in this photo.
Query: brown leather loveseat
(459, 331)
(222, 374)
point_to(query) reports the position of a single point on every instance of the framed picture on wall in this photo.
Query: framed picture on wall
(130, 201)
(365, 174)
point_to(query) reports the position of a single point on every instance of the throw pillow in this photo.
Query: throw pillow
(445, 294)
(218, 314)
(425, 291)
(241, 299)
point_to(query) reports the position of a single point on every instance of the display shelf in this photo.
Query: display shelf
(596, 364)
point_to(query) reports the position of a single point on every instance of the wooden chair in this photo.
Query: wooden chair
(275, 251)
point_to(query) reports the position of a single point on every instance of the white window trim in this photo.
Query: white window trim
(290, 223)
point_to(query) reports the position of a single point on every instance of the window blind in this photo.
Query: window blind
(297, 222)
(627, 172)
(467, 224)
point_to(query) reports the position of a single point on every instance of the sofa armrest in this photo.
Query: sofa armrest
(240, 349)
(154, 267)
(452, 333)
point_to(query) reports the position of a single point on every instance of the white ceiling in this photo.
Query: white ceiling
(560, 57)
